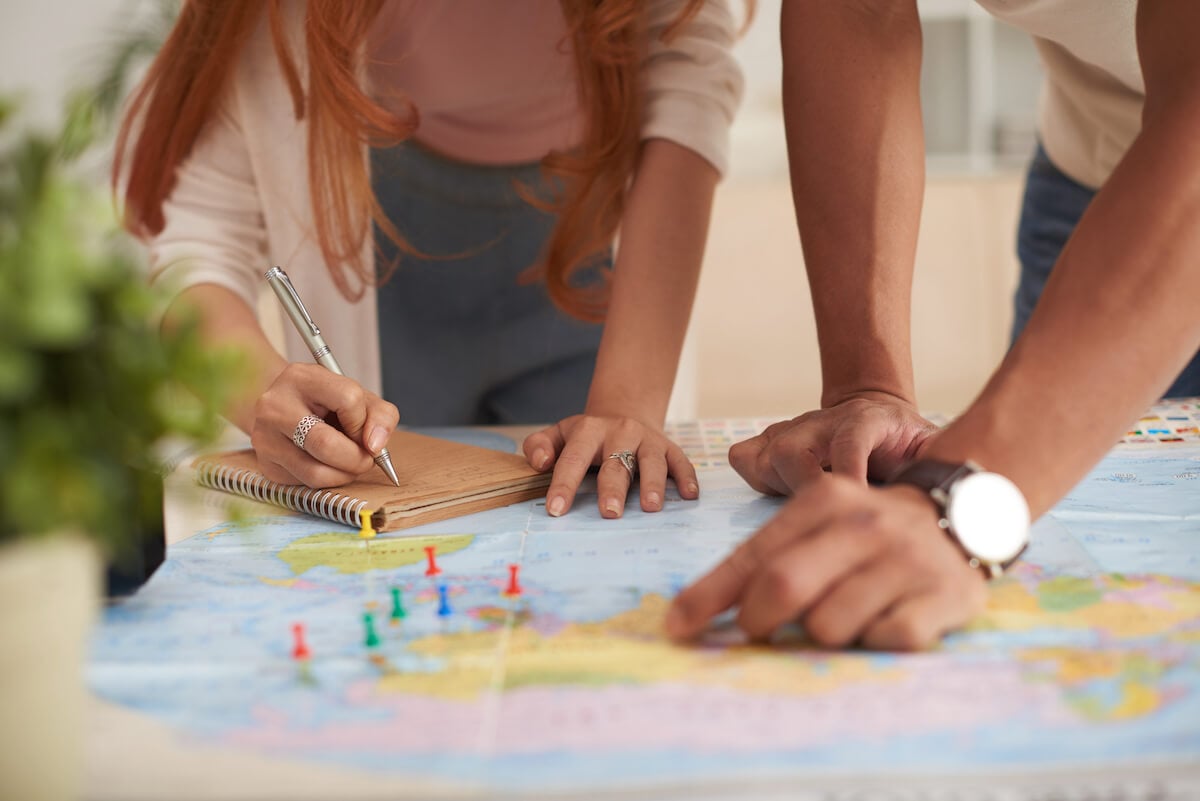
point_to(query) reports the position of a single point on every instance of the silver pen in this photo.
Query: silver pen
(311, 335)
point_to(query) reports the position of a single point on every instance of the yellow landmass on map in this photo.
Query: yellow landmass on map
(1108, 603)
(346, 552)
(628, 648)
(1137, 699)
(1074, 666)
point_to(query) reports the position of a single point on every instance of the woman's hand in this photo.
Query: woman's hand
(852, 563)
(868, 435)
(577, 443)
(356, 426)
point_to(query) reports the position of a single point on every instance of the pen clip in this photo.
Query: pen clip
(277, 274)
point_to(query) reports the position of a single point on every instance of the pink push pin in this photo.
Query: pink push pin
(431, 554)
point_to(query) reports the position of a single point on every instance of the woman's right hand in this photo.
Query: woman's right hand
(356, 426)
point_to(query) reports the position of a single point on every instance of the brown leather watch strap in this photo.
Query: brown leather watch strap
(931, 475)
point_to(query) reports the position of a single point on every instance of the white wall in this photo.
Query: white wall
(48, 46)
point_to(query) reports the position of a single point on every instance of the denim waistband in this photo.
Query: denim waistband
(435, 175)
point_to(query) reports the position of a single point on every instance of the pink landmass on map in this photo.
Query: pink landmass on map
(937, 698)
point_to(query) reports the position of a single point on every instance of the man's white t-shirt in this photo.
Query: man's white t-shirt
(1091, 105)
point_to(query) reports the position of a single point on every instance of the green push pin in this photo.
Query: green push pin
(398, 612)
(372, 637)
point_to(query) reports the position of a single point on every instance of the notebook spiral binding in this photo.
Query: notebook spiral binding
(322, 503)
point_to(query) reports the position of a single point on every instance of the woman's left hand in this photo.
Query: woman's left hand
(574, 445)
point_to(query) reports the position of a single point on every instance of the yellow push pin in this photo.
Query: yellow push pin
(367, 532)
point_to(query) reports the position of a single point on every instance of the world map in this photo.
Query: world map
(1088, 657)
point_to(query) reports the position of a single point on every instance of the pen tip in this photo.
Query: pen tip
(384, 460)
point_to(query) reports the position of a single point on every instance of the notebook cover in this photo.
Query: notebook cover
(439, 479)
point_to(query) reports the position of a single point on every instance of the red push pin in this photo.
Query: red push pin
(514, 587)
(300, 652)
(431, 554)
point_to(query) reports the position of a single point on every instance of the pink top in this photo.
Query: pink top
(239, 195)
(493, 82)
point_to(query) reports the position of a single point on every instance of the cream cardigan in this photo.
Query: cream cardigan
(241, 200)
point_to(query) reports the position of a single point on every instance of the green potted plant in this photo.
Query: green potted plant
(90, 391)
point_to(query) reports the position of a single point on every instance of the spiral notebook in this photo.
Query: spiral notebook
(439, 479)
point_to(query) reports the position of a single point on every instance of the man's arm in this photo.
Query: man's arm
(1117, 321)
(851, 97)
(1118, 318)
(852, 107)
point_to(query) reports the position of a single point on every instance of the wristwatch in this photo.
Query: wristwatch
(984, 513)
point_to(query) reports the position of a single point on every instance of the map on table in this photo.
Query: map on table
(1087, 659)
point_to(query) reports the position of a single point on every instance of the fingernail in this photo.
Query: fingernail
(540, 459)
(693, 488)
(613, 507)
(556, 507)
(653, 499)
(376, 439)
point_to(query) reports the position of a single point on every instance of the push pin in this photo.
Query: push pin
(431, 555)
(367, 532)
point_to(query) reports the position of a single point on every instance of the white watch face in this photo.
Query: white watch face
(989, 516)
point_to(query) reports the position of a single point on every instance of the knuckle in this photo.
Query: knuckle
(828, 629)
(574, 460)
(754, 628)
(391, 414)
(351, 394)
(803, 419)
(590, 426)
(276, 473)
(783, 587)
(628, 428)
(295, 370)
(320, 475)
(911, 633)
(746, 449)
(266, 406)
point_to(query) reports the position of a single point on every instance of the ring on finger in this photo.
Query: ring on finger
(302, 428)
(628, 460)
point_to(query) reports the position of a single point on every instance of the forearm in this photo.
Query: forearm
(226, 321)
(1115, 324)
(663, 232)
(851, 93)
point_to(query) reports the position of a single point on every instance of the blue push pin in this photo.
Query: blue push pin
(443, 601)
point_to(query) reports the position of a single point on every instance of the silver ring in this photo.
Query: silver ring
(303, 427)
(627, 460)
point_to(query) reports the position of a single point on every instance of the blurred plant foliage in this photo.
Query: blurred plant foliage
(90, 389)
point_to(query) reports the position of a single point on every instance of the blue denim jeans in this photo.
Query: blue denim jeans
(463, 341)
(1052, 207)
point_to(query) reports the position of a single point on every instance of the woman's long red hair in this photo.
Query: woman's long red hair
(185, 81)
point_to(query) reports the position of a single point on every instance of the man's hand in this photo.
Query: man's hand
(854, 564)
(868, 435)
